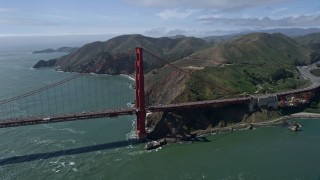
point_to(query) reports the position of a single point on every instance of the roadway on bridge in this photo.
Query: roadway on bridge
(304, 70)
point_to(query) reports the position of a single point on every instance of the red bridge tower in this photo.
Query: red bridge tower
(140, 101)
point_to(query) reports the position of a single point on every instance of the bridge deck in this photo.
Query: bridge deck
(66, 117)
(131, 111)
(197, 104)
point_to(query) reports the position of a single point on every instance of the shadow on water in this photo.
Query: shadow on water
(73, 151)
(214, 137)
(202, 139)
(86, 149)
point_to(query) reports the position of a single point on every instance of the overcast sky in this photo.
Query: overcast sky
(153, 17)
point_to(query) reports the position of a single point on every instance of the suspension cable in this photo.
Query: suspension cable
(40, 89)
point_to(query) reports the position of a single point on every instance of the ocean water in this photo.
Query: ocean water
(104, 148)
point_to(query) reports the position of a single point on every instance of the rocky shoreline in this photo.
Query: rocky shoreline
(276, 122)
(242, 126)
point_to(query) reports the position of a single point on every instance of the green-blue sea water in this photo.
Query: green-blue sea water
(102, 149)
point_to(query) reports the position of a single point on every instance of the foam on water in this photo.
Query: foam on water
(129, 77)
(63, 129)
(132, 133)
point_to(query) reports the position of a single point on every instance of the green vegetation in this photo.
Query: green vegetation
(313, 108)
(262, 49)
(310, 40)
(117, 56)
(231, 80)
(315, 72)
(281, 74)
(258, 63)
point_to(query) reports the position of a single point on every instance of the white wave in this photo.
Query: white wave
(69, 140)
(72, 131)
(243, 175)
(129, 77)
(56, 170)
(75, 169)
(137, 153)
(132, 133)
(60, 71)
(131, 86)
(95, 74)
(63, 129)
(129, 104)
(46, 142)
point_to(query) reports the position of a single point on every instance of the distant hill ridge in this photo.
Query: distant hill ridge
(61, 49)
(112, 56)
(257, 48)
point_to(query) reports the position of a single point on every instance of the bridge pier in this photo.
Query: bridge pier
(140, 100)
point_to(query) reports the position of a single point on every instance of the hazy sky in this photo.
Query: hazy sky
(153, 17)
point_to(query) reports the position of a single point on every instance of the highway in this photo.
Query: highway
(304, 71)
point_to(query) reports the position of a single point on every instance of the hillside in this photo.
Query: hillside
(311, 40)
(256, 48)
(249, 64)
(117, 54)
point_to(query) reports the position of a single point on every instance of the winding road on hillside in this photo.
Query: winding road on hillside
(305, 71)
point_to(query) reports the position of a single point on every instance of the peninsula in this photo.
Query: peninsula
(247, 65)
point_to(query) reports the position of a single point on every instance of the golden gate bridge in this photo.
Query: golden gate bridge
(57, 103)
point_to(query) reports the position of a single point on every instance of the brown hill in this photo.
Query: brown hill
(252, 63)
(117, 54)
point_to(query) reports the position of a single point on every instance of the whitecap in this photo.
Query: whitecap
(132, 133)
(130, 104)
(56, 170)
(75, 169)
(63, 129)
(46, 142)
(129, 77)
(137, 153)
(70, 140)
(73, 131)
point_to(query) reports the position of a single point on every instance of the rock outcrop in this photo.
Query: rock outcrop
(43, 63)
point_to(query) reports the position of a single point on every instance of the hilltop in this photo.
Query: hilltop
(116, 55)
(246, 64)
(249, 64)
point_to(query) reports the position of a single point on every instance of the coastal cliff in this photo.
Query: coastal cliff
(255, 63)
(43, 63)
